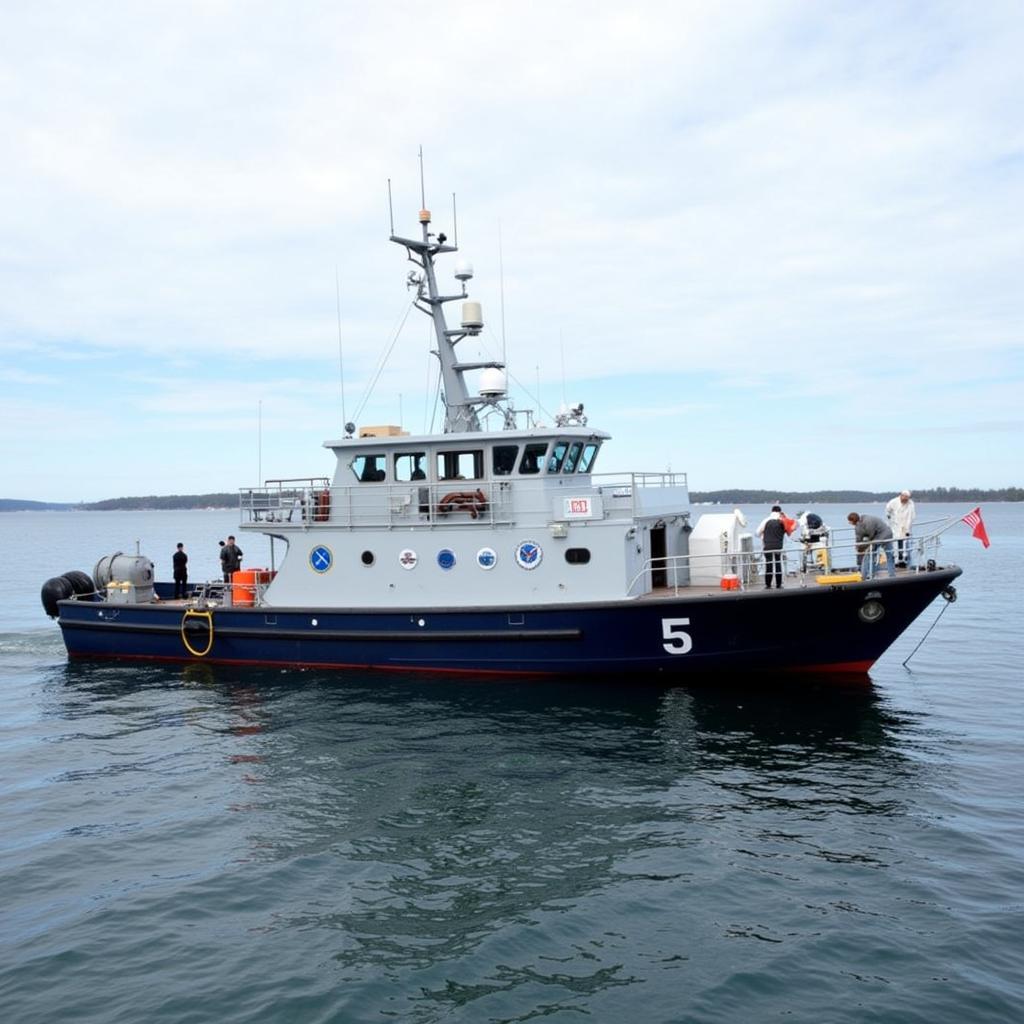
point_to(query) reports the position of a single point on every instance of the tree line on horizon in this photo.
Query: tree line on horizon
(734, 496)
(739, 496)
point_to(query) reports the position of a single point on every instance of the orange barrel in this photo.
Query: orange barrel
(243, 586)
(730, 581)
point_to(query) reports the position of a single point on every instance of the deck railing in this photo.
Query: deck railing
(311, 501)
(836, 554)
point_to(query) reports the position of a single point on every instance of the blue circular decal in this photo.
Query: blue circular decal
(320, 558)
(528, 554)
(446, 558)
(487, 558)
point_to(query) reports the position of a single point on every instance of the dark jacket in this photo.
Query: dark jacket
(774, 533)
(231, 558)
(180, 560)
(871, 528)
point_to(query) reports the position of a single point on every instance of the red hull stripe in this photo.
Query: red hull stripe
(837, 668)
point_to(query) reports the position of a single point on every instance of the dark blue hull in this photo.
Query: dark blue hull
(818, 628)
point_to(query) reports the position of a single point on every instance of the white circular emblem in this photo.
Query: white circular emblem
(408, 558)
(487, 558)
(528, 554)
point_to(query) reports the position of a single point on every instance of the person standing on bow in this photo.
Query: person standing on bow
(900, 512)
(871, 533)
(180, 560)
(772, 531)
(230, 559)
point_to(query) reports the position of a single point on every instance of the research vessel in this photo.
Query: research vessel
(498, 546)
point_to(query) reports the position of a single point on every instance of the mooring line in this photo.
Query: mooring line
(949, 596)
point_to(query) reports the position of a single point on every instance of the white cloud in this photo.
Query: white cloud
(793, 198)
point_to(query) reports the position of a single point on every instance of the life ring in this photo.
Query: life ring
(321, 506)
(473, 502)
(193, 613)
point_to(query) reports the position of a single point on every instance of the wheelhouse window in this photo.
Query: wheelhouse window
(411, 466)
(369, 469)
(504, 458)
(460, 465)
(573, 457)
(533, 458)
(557, 456)
(587, 461)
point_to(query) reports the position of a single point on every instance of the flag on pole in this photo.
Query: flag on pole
(977, 525)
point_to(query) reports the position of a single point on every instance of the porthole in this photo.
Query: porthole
(367, 557)
(577, 556)
(871, 611)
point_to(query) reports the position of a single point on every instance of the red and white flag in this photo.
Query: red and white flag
(977, 525)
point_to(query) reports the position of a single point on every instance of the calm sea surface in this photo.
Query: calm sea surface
(195, 843)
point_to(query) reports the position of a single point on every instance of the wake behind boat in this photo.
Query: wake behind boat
(497, 551)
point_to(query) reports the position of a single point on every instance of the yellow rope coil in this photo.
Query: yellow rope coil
(193, 613)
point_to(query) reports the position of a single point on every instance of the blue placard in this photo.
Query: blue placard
(529, 554)
(321, 558)
(446, 558)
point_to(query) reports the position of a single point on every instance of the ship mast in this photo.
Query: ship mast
(460, 406)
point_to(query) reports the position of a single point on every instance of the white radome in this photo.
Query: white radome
(492, 381)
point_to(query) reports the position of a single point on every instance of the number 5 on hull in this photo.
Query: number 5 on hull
(677, 641)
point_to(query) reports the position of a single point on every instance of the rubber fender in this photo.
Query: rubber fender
(59, 588)
(81, 582)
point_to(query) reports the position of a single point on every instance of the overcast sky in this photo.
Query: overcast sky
(773, 244)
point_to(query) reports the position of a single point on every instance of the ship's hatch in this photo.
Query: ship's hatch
(659, 568)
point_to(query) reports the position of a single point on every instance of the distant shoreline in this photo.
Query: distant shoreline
(227, 502)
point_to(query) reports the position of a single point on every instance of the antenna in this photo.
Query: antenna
(423, 188)
(501, 284)
(391, 209)
(561, 345)
(455, 223)
(337, 297)
(259, 442)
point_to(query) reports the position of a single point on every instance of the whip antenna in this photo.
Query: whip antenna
(501, 286)
(423, 187)
(561, 345)
(341, 359)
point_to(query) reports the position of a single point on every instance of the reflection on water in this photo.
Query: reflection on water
(374, 843)
(487, 839)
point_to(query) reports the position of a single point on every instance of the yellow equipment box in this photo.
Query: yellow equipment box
(388, 430)
(846, 577)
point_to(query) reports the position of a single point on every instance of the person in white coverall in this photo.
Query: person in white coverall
(899, 512)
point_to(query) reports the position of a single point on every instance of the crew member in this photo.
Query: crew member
(230, 559)
(871, 533)
(180, 560)
(773, 532)
(900, 512)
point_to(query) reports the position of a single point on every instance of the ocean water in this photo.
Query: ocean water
(200, 843)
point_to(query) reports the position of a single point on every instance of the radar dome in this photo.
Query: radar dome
(492, 382)
(472, 317)
(463, 270)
